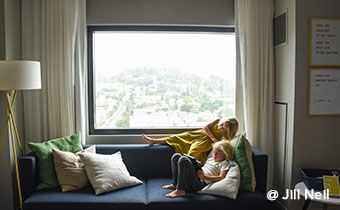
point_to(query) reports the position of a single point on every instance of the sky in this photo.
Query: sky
(199, 53)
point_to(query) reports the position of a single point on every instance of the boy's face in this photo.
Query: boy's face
(218, 155)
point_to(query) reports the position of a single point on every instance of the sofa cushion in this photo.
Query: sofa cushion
(247, 200)
(131, 198)
(141, 160)
(156, 198)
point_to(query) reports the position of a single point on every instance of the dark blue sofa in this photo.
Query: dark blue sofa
(152, 166)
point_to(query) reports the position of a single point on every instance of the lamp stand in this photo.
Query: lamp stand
(11, 122)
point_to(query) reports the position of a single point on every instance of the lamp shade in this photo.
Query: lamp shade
(20, 75)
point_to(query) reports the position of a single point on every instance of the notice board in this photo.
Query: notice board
(324, 42)
(324, 91)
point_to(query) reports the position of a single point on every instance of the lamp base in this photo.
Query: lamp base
(12, 125)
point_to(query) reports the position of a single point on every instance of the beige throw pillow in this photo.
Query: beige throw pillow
(107, 172)
(70, 169)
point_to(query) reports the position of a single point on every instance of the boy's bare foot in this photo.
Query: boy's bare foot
(148, 139)
(175, 193)
(169, 186)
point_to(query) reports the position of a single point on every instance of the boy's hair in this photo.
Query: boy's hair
(232, 127)
(226, 147)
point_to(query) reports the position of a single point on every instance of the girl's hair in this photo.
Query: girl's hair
(231, 128)
(226, 147)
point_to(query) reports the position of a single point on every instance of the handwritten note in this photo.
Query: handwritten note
(324, 92)
(324, 42)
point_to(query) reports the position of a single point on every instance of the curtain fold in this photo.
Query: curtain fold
(54, 33)
(255, 74)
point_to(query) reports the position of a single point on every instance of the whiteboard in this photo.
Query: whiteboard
(324, 92)
(324, 42)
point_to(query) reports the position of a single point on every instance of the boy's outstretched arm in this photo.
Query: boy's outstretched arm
(222, 175)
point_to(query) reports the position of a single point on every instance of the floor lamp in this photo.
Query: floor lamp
(17, 75)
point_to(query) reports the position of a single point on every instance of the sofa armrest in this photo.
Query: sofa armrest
(28, 174)
(260, 160)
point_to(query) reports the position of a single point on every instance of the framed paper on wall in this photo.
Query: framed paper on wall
(324, 91)
(324, 42)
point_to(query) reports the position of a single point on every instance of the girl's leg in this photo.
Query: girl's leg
(199, 149)
(152, 141)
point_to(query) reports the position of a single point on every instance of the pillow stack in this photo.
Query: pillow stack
(63, 162)
(241, 174)
(43, 151)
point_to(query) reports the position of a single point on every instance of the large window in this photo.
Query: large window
(159, 79)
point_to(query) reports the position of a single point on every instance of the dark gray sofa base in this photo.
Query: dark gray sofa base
(152, 166)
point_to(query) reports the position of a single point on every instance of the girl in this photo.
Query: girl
(185, 176)
(197, 143)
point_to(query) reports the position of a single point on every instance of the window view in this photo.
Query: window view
(160, 80)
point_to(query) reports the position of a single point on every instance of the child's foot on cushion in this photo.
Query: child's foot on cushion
(169, 186)
(175, 193)
(148, 139)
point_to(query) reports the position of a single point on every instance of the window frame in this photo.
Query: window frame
(91, 89)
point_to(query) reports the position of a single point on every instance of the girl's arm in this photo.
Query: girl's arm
(206, 129)
(222, 175)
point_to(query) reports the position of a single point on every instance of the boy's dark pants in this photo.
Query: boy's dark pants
(185, 175)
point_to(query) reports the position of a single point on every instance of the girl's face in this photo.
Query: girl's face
(218, 155)
(223, 127)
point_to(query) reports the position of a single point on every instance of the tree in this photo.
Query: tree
(187, 99)
(186, 107)
(224, 112)
(201, 119)
(122, 123)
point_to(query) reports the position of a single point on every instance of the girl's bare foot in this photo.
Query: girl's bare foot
(148, 139)
(175, 193)
(169, 186)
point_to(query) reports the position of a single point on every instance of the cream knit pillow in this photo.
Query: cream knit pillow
(107, 172)
(70, 169)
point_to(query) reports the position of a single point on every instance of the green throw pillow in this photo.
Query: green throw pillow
(43, 151)
(244, 158)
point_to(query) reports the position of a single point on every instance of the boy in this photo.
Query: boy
(185, 176)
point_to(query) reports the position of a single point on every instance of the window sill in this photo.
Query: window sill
(118, 139)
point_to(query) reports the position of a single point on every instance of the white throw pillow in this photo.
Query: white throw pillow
(70, 169)
(227, 187)
(235, 139)
(107, 172)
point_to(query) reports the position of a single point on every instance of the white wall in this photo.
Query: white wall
(6, 192)
(10, 41)
(316, 139)
(284, 98)
(2, 30)
(197, 12)
(312, 142)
